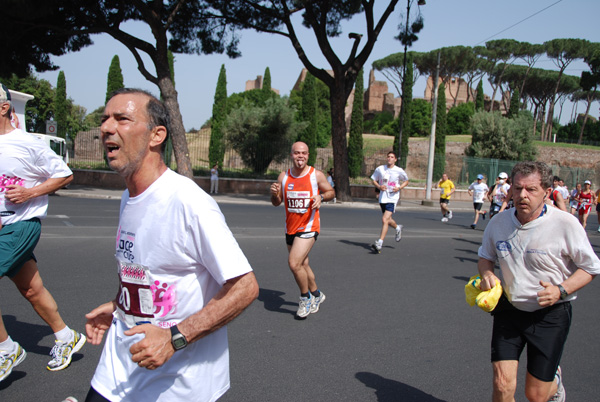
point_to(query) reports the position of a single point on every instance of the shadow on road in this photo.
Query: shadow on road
(366, 246)
(28, 335)
(273, 301)
(388, 390)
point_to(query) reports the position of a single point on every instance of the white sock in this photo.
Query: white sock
(379, 242)
(65, 335)
(8, 345)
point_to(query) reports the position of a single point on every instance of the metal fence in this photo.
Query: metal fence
(490, 168)
(87, 153)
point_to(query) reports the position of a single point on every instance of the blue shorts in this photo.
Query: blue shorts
(390, 206)
(17, 242)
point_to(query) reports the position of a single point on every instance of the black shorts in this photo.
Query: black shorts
(289, 238)
(477, 206)
(543, 331)
(444, 201)
(598, 208)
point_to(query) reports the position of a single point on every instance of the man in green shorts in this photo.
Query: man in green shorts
(29, 171)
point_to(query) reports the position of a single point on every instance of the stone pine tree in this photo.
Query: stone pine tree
(61, 106)
(407, 88)
(355, 143)
(115, 77)
(216, 150)
(439, 165)
(309, 114)
(513, 110)
(479, 100)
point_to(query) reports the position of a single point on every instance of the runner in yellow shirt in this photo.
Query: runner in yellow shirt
(447, 188)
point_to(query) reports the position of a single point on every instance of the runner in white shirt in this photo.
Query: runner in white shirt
(545, 257)
(389, 179)
(182, 275)
(29, 171)
(478, 189)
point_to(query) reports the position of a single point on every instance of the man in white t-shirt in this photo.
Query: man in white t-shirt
(389, 179)
(182, 275)
(499, 194)
(545, 257)
(478, 189)
(29, 171)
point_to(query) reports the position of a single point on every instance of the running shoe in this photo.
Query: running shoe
(598, 229)
(473, 226)
(483, 215)
(444, 219)
(399, 232)
(561, 394)
(376, 247)
(304, 307)
(8, 361)
(316, 302)
(62, 352)
(449, 214)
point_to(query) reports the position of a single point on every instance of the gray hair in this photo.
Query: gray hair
(529, 167)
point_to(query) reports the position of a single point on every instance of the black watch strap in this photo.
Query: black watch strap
(177, 339)
(563, 292)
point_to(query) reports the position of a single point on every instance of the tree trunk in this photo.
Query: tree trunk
(338, 140)
(587, 112)
(180, 147)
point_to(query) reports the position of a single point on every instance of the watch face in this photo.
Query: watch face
(179, 342)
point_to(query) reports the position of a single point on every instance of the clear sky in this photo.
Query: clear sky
(447, 23)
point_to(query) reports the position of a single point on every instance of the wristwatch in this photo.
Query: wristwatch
(177, 339)
(563, 292)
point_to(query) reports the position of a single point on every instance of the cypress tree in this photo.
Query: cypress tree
(115, 77)
(309, 114)
(479, 100)
(266, 85)
(216, 150)
(439, 165)
(355, 143)
(61, 106)
(513, 110)
(407, 88)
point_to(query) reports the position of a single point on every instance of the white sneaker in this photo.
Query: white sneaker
(444, 219)
(8, 361)
(449, 214)
(561, 394)
(376, 247)
(304, 307)
(398, 232)
(62, 353)
(316, 302)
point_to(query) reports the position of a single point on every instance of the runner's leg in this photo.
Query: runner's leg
(29, 283)
(298, 263)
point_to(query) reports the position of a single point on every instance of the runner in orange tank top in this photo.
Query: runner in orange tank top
(302, 189)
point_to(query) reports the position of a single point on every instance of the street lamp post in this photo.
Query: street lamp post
(406, 42)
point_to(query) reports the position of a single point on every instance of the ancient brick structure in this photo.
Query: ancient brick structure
(257, 84)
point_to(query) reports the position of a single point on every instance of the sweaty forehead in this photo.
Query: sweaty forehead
(129, 104)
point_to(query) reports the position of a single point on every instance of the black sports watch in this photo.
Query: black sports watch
(563, 292)
(177, 339)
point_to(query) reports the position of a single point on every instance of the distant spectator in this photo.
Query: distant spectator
(214, 179)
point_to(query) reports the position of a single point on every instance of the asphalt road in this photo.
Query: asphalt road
(395, 326)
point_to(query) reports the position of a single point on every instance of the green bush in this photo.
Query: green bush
(459, 118)
(420, 125)
(497, 137)
(376, 124)
(261, 134)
